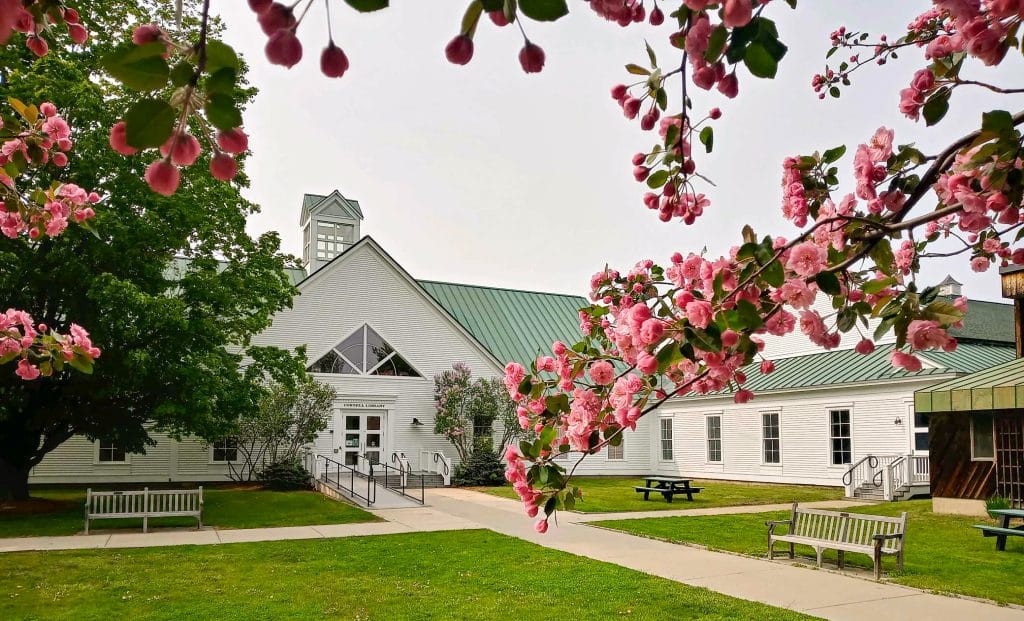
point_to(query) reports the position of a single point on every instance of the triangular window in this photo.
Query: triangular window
(364, 353)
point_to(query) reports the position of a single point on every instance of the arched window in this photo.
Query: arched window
(364, 353)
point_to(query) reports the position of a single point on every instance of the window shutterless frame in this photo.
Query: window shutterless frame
(983, 436)
(713, 438)
(771, 439)
(665, 436)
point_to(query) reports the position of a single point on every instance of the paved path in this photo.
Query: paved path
(820, 593)
(399, 521)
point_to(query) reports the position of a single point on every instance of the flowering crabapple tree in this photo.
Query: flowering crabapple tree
(696, 323)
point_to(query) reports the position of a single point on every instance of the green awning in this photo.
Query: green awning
(997, 388)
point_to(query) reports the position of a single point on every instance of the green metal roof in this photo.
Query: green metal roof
(990, 322)
(996, 388)
(846, 366)
(513, 325)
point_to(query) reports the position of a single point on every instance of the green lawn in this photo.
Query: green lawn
(447, 575)
(615, 494)
(943, 552)
(61, 512)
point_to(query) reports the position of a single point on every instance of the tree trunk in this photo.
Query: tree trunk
(13, 480)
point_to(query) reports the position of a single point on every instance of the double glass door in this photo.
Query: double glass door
(362, 439)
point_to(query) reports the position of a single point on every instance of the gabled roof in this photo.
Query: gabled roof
(986, 322)
(998, 388)
(514, 325)
(846, 366)
(312, 201)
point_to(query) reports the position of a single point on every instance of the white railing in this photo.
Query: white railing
(859, 473)
(401, 462)
(920, 473)
(436, 462)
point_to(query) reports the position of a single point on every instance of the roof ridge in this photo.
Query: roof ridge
(462, 284)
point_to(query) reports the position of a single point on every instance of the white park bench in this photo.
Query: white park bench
(145, 504)
(874, 535)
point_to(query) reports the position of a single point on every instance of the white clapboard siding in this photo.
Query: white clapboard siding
(637, 455)
(796, 343)
(804, 431)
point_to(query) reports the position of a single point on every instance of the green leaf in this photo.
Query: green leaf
(81, 363)
(760, 62)
(650, 54)
(637, 69)
(221, 81)
(547, 435)
(828, 282)
(493, 5)
(367, 6)
(833, 155)
(181, 74)
(942, 312)
(936, 107)
(471, 18)
(222, 112)
(774, 274)
(657, 179)
(139, 67)
(707, 138)
(882, 256)
(874, 286)
(846, 320)
(149, 123)
(716, 43)
(998, 121)
(220, 55)
(544, 10)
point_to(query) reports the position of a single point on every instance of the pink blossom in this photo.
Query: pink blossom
(602, 372)
(26, 370)
(807, 259)
(926, 334)
(743, 396)
(541, 526)
(906, 361)
(864, 347)
(699, 313)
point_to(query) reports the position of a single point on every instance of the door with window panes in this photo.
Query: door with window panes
(362, 438)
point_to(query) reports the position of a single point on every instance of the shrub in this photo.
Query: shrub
(482, 468)
(997, 502)
(284, 475)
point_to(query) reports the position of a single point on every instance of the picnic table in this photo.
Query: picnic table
(1003, 531)
(667, 487)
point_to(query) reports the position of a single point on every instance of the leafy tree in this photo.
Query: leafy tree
(286, 421)
(173, 340)
(467, 409)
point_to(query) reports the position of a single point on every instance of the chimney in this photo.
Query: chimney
(950, 287)
(1013, 289)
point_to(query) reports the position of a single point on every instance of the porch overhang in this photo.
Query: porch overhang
(997, 388)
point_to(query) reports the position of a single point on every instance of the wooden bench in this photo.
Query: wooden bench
(668, 493)
(145, 504)
(874, 535)
(1000, 534)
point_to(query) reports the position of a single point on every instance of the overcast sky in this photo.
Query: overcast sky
(485, 175)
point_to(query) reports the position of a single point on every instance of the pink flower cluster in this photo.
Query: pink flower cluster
(914, 96)
(39, 137)
(66, 201)
(977, 28)
(869, 170)
(15, 16)
(38, 349)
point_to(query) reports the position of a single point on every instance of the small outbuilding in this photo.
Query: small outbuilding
(976, 426)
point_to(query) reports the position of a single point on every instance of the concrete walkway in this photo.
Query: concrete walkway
(420, 519)
(819, 593)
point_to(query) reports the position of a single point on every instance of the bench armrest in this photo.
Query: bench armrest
(884, 537)
(777, 522)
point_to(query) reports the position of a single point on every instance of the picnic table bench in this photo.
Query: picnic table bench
(1003, 531)
(145, 504)
(667, 487)
(874, 535)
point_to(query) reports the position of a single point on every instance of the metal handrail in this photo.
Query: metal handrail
(891, 466)
(402, 485)
(371, 483)
(438, 457)
(872, 463)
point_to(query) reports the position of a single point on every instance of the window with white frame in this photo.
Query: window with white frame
(110, 452)
(223, 451)
(840, 437)
(770, 438)
(618, 453)
(364, 352)
(666, 438)
(332, 239)
(983, 437)
(713, 425)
